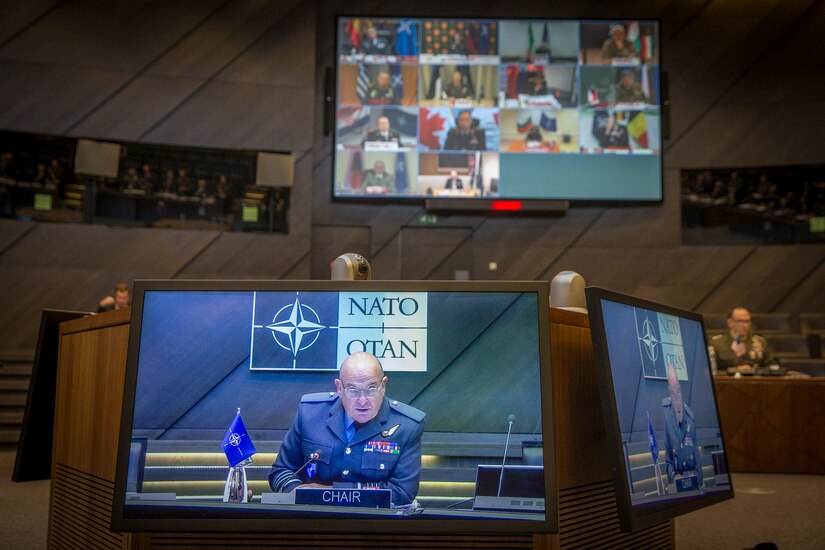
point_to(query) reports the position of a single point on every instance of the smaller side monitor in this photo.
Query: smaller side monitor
(661, 419)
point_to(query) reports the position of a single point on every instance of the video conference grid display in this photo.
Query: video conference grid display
(673, 449)
(261, 351)
(541, 109)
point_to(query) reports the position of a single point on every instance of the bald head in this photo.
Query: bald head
(674, 390)
(360, 363)
(361, 385)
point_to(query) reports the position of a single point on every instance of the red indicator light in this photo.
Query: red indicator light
(505, 205)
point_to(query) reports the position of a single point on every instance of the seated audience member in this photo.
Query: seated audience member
(383, 132)
(42, 174)
(132, 181)
(465, 137)
(617, 46)
(147, 178)
(739, 349)
(168, 185)
(628, 90)
(56, 172)
(122, 298)
(202, 191)
(454, 182)
(378, 177)
(374, 44)
(223, 193)
(184, 185)
(7, 168)
(457, 88)
(382, 92)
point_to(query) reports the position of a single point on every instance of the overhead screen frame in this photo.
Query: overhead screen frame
(630, 518)
(490, 202)
(193, 522)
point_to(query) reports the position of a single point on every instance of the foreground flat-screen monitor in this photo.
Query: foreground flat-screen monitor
(663, 432)
(466, 365)
(462, 108)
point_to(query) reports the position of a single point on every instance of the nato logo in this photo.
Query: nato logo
(294, 331)
(660, 344)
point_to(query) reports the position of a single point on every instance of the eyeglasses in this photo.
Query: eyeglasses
(742, 321)
(355, 393)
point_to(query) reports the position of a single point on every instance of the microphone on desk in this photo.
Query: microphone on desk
(510, 420)
(312, 458)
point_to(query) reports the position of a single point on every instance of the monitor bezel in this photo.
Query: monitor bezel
(421, 199)
(190, 522)
(630, 518)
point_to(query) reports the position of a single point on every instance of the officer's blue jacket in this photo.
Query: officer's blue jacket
(385, 452)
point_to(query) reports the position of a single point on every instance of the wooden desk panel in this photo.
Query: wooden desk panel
(773, 425)
(90, 372)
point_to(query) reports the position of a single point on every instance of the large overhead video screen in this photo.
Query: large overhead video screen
(490, 108)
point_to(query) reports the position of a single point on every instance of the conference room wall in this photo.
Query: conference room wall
(211, 74)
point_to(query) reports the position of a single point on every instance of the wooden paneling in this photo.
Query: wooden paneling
(107, 35)
(17, 16)
(235, 115)
(50, 98)
(131, 112)
(773, 425)
(11, 231)
(765, 276)
(89, 393)
(209, 47)
(90, 376)
(588, 516)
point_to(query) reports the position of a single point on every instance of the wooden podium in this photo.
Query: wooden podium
(90, 380)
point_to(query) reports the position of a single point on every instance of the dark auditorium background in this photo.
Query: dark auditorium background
(745, 89)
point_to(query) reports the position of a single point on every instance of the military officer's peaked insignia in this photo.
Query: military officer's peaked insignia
(649, 340)
(295, 327)
(387, 433)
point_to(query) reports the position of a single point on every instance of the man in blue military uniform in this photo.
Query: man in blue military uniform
(353, 435)
(681, 447)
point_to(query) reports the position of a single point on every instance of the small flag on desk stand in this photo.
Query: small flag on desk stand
(238, 448)
(654, 451)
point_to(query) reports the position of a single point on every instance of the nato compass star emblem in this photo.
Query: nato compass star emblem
(295, 327)
(649, 340)
(234, 439)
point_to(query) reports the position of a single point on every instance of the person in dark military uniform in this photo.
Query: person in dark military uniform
(374, 44)
(681, 447)
(358, 435)
(378, 177)
(465, 137)
(628, 90)
(383, 132)
(457, 88)
(739, 350)
(382, 91)
(617, 45)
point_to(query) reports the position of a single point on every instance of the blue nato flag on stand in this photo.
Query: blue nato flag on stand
(236, 443)
(406, 38)
(654, 446)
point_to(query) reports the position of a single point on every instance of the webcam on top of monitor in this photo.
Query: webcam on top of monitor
(351, 267)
